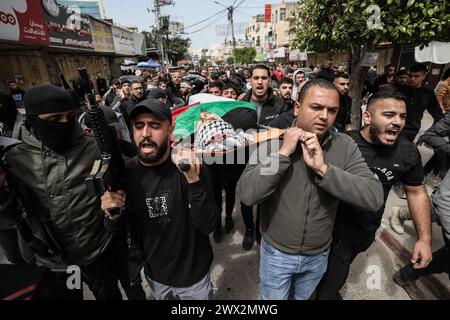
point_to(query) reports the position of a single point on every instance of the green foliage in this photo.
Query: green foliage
(244, 55)
(325, 25)
(177, 45)
(230, 60)
(219, 62)
(203, 62)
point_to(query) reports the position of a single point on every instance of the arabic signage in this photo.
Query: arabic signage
(102, 36)
(67, 27)
(279, 53)
(297, 55)
(123, 41)
(22, 21)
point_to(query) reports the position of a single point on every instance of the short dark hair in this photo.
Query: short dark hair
(385, 95)
(389, 66)
(446, 74)
(341, 75)
(418, 67)
(124, 81)
(227, 86)
(262, 67)
(216, 84)
(322, 83)
(286, 80)
(401, 72)
(135, 82)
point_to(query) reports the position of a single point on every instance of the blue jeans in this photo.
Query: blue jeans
(287, 276)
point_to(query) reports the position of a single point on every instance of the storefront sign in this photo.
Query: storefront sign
(67, 27)
(123, 41)
(102, 36)
(22, 21)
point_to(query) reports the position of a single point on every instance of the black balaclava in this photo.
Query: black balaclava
(45, 99)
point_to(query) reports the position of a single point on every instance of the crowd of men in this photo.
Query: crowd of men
(315, 212)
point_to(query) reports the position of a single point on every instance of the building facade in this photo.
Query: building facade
(93, 8)
(278, 32)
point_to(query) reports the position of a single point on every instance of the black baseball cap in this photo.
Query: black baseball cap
(155, 106)
(156, 93)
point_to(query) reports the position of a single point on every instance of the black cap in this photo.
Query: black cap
(156, 93)
(47, 99)
(155, 106)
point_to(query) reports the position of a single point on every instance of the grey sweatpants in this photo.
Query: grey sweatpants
(201, 290)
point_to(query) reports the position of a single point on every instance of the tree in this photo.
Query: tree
(358, 26)
(218, 62)
(203, 61)
(177, 46)
(244, 55)
(230, 60)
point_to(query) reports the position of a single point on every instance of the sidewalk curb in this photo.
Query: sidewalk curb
(432, 283)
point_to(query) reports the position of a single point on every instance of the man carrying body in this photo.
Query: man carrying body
(299, 186)
(170, 212)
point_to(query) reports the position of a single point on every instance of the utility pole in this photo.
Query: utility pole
(159, 39)
(230, 19)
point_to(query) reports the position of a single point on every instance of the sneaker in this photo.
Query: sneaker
(229, 224)
(396, 220)
(248, 241)
(409, 285)
(400, 191)
(217, 234)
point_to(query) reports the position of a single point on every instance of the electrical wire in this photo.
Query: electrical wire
(209, 25)
(199, 22)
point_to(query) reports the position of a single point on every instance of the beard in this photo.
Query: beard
(156, 155)
(375, 132)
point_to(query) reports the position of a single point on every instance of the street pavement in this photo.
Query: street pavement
(235, 271)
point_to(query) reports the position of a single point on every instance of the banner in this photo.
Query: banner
(139, 44)
(268, 13)
(123, 41)
(297, 55)
(67, 27)
(22, 21)
(102, 36)
(279, 53)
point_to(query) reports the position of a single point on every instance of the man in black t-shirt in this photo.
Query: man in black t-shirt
(393, 159)
(170, 212)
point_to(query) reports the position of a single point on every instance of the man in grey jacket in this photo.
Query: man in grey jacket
(299, 186)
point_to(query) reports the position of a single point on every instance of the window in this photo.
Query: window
(282, 14)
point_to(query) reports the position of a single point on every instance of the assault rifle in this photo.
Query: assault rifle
(107, 173)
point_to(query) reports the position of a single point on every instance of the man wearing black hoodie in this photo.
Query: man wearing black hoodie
(268, 108)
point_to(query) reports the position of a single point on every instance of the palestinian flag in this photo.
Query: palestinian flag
(240, 114)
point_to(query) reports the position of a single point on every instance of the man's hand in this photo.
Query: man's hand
(422, 255)
(113, 200)
(290, 141)
(187, 154)
(312, 153)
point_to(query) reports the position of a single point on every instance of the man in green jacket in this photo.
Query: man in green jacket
(298, 187)
(61, 222)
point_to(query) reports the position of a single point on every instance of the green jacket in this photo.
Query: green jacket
(298, 207)
(60, 212)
